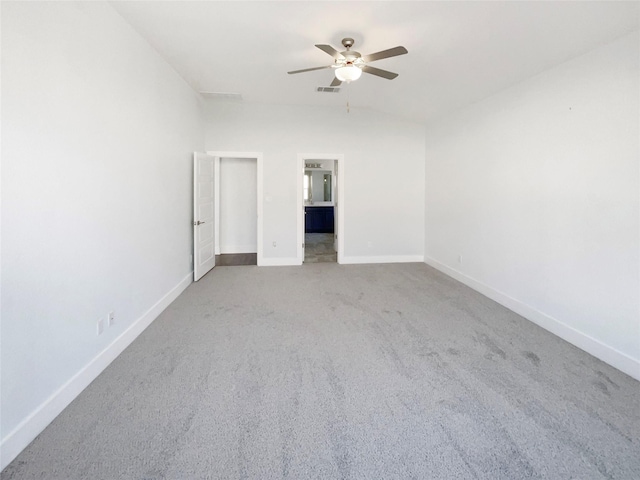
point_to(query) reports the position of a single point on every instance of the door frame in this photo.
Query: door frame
(259, 182)
(338, 205)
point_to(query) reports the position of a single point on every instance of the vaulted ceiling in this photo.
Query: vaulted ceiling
(459, 52)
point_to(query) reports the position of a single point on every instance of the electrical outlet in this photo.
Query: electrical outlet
(100, 326)
(459, 258)
(274, 244)
(111, 318)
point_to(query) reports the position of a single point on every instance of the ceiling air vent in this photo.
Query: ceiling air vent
(328, 89)
(230, 97)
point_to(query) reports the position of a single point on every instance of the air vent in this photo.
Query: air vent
(328, 89)
(232, 97)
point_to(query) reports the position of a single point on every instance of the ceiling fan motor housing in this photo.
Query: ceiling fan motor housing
(350, 56)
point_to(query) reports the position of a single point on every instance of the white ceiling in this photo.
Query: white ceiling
(459, 52)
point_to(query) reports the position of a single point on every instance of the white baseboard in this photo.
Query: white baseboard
(383, 259)
(607, 354)
(278, 262)
(237, 249)
(289, 261)
(21, 436)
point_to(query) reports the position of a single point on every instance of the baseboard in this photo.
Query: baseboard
(237, 249)
(607, 354)
(383, 259)
(278, 262)
(21, 436)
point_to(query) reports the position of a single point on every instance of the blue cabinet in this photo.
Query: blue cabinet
(318, 219)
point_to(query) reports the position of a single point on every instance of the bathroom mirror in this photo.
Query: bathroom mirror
(321, 186)
(327, 187)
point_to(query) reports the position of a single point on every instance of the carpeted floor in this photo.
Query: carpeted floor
(330, 371)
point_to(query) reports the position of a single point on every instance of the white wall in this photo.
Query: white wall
(537, 189)
(97, 135)
(238, 205)
(382, 153)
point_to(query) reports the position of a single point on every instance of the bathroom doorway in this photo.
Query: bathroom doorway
(320, 205)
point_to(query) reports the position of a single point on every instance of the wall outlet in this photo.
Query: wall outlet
(459, 258)
(274, 245)
(111, 318)
(369, 244)
(100, 326)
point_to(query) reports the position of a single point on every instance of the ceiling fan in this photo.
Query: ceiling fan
(349, 64)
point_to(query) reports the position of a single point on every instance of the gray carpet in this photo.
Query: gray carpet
(356, 372)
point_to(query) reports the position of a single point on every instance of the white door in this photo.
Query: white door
(204, 257)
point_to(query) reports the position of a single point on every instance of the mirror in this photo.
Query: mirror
(327, 187)
(318, 186)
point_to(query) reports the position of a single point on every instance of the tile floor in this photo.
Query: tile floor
(234, 259)
(319, 248)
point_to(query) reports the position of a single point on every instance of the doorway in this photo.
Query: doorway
(237, 205)
(238, 208)
(320, 204)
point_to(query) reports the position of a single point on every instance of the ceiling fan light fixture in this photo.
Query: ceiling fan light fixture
(348, 73)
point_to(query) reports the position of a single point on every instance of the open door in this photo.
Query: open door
(204, 257)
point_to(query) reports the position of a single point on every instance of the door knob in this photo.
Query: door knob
(198, 223)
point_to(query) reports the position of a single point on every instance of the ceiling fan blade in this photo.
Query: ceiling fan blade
(331, 51)
(336, 82)
(379, 72)
(308, 69)
(392, 52)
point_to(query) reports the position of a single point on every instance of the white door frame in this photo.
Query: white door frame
(259, 169)
(339, 205)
